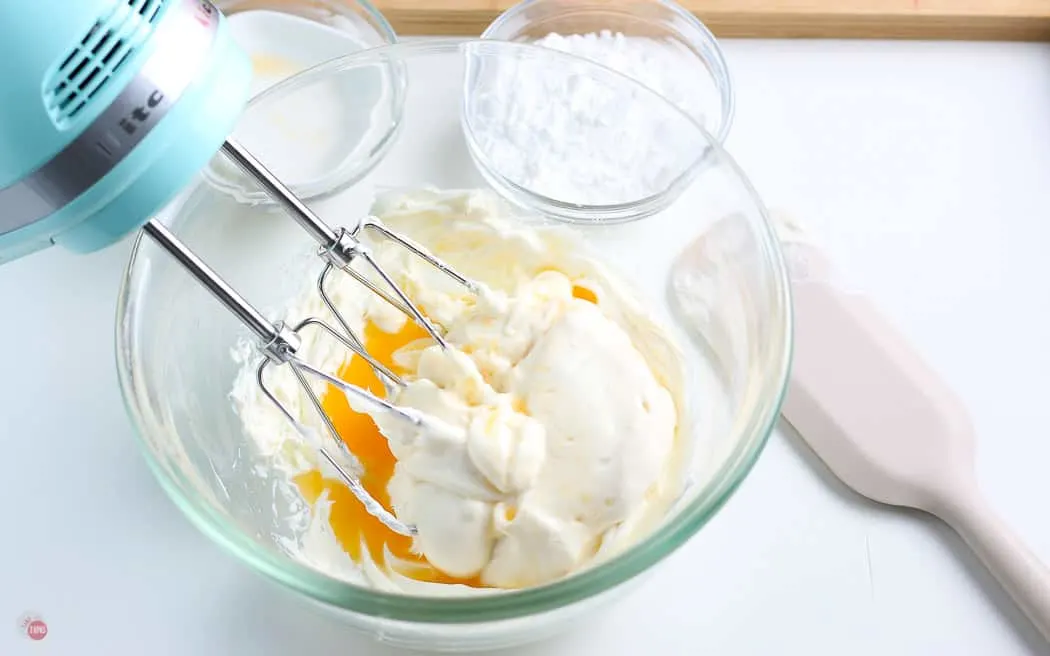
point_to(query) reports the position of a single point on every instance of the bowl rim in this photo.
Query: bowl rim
(592, 581)
(705, 41)
(377, 21)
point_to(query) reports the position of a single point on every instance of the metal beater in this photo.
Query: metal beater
(280, 343)
(114, 104)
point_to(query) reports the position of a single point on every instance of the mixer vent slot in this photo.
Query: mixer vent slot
(124, 26)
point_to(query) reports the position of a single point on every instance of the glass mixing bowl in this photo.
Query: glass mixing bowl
(174, 341)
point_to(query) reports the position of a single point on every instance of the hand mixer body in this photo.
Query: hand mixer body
(109, 109)
(114, 106)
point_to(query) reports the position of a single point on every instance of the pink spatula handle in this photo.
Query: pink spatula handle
(1024, 577)
(890, 427)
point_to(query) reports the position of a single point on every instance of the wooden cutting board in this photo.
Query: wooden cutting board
(1006, 20)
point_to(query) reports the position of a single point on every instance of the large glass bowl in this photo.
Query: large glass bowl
(174, 341)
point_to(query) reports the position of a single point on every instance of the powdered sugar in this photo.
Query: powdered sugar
(577, 134)
(662, 65)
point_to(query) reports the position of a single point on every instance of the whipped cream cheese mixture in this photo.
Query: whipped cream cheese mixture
(561, 401)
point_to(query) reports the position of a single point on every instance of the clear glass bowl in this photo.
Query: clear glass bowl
(285, 37)
(705, 93)
(662, 46)
(174, 341)
(358, 19)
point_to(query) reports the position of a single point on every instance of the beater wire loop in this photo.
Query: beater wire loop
(302, 370)
(339, 248)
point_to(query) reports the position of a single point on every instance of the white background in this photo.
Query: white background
(926, 170)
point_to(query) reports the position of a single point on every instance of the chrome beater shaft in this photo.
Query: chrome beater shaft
(280, 344)
(339, 247)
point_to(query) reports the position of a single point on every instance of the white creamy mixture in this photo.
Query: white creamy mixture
(562, 419)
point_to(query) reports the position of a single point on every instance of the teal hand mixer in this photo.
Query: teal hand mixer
(108, 109)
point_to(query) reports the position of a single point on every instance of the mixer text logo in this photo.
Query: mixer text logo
(141, 114)
(32, 626)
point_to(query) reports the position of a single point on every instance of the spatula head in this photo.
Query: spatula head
(868, 405)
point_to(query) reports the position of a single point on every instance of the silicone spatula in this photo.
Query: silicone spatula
(866, 403)
(891, 429)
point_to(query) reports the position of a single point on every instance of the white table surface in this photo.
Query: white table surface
(925, 167)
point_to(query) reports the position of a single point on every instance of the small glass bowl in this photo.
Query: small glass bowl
(176, 370)
(358, 19)
(544, 179)
(660, 20)
(285, 37)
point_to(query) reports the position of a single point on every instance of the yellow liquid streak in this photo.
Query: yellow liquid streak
(269, 65)
(359, 533)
